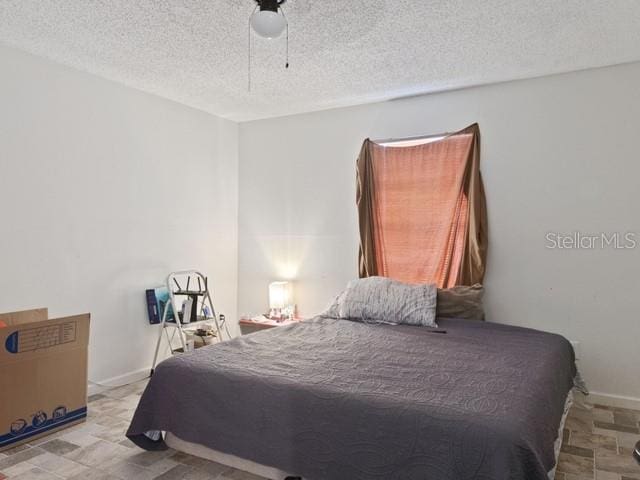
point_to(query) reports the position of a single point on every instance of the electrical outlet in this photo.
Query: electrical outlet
(576, 349)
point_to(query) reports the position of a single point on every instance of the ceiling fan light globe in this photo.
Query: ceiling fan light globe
(268, 24)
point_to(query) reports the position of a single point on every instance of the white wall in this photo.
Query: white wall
(103, 191)
(558, 154)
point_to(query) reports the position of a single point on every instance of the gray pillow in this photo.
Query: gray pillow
(382, 300)
(333, 309)
(461, 302)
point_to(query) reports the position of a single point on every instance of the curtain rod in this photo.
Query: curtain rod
(410, 139)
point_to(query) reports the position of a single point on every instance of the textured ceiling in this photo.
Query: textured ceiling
(343, 52)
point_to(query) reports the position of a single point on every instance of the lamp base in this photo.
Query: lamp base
(282, 314)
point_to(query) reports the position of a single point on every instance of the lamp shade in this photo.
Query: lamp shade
(268, 24)
(279, 295)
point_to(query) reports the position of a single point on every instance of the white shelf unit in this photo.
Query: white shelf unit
(201, 298)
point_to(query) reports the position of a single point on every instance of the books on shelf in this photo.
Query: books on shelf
(157, 299)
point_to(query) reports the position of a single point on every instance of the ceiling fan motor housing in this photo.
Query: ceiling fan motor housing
(270, 5)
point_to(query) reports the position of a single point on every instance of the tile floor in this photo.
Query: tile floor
(98, 450)
(597, 445)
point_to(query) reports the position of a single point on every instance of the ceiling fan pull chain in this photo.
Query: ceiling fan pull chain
(249, 49)
(286, 65)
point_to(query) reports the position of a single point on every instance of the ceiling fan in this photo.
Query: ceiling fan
(268, 21)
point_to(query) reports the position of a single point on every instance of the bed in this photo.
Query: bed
(337, 399)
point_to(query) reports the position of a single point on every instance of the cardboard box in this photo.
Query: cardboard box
(43, 374)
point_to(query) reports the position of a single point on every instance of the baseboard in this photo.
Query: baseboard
(118, 381)
(620, 401)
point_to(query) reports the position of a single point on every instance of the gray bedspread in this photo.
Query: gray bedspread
(335, 399)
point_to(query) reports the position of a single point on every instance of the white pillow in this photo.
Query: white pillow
(382, 300)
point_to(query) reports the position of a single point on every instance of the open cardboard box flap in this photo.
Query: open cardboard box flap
(43, 374)
(27, 316)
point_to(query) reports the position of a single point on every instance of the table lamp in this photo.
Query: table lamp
(280, 300)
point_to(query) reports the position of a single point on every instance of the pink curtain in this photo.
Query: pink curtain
(422, 211)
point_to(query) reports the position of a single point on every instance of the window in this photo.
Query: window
(422, 210)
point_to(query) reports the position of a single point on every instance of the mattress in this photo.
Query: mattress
(333, 399)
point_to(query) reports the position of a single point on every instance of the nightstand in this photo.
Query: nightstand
(259, 323)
